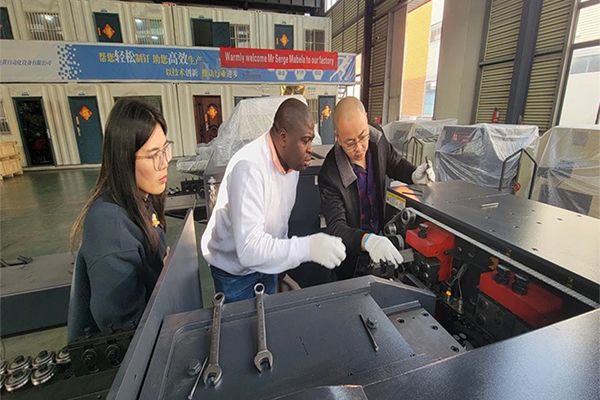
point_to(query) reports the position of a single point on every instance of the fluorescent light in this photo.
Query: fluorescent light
(137, 20)
(155, 37)
(49, 17)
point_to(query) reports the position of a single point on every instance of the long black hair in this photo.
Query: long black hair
(130, 124)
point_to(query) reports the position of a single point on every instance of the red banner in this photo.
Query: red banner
(277, 59)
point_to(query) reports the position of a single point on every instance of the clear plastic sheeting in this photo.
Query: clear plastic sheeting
(425, 133)
(250, 119)
(475, 153)
(398, 132)
(569, 169)
(195, 164)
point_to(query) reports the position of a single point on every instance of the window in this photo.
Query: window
(580, 103)
(149, 31)
(44, 26)
(202, 32)
(5, 29)
(4, 128)
(354, 91)
(240, 36)
(587, 24)
(329, 4)
(108, 28)
(585, 64)
(436, 32)
(314, 40)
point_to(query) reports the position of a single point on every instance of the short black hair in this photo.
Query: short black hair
(290, 114)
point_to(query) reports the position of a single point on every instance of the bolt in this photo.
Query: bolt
(194, 367)
(454, 349)
(434, 327)
(372, 323)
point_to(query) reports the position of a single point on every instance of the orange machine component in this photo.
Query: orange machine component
(432, 241)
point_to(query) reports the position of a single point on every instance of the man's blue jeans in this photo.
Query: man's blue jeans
(237, 288)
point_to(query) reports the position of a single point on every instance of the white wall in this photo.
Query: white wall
(462, 35)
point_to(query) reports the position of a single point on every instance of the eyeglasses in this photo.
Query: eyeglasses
(161, 157)
(353, 146)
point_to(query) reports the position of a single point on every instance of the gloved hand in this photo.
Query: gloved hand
(424, 174)
(329, 251)
(381, 248)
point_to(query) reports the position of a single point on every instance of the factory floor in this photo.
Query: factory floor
(37, 211)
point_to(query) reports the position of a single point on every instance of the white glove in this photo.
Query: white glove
(424, 174)
(329, 251)
(381, 248)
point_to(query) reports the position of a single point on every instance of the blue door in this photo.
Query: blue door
(326, 109)
(88, 131)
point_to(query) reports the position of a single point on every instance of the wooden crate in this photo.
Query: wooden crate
(10, 160)
(8, 149)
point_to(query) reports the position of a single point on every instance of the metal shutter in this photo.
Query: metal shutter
(360, 37)
(542, 91)
(350, 35)
(378, 60)
(337, 18)
(383, 7)
(554, 24)
(337, 42)
(503, 31)
(501, 43)
(350, 10)
(545, 73)
(495, 88)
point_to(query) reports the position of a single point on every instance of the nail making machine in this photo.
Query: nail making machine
(498, 298)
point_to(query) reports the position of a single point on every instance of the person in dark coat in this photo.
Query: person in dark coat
(352, 183)
(120, 234)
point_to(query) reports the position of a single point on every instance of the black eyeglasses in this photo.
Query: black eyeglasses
(353, 146)
(161, 157)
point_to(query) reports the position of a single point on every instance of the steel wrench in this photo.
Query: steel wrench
(263, 354)
(213, 371)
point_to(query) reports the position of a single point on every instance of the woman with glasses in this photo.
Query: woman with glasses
(352, 185)
(121, 231)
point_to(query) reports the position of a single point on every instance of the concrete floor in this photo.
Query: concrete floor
(37, 211)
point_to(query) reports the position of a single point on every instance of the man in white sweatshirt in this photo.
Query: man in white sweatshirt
(246, 240)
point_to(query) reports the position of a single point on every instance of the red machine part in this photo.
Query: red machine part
(434, 244)
(539, 307)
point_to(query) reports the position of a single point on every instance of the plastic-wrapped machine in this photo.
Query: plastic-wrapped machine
(569, 169)
(195, 164)
(250, 119)
(476, 153)
(425, 133)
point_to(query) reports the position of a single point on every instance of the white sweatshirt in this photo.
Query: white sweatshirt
(247, 231)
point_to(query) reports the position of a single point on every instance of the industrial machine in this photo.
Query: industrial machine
(488, 155)
(494, 301)
(569, 169)
(492, 274)
(416, 140)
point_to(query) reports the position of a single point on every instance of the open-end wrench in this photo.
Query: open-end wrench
(213, 371)
(263, 354)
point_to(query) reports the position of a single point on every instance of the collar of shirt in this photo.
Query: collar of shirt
(357, 168)
(276, 156)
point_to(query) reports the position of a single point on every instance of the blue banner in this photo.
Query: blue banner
(92, 62)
